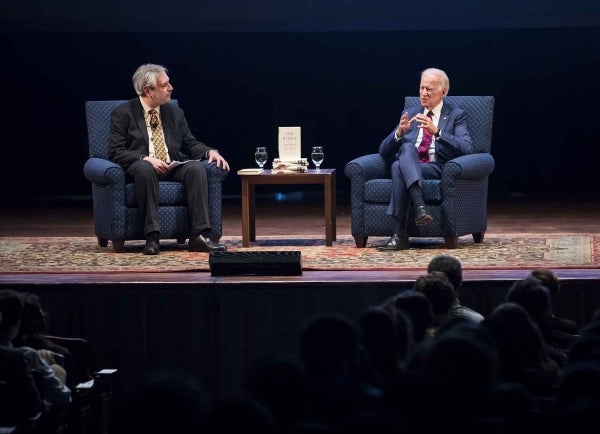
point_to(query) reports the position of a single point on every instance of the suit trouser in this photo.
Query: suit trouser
(407, 170)
(195, 183)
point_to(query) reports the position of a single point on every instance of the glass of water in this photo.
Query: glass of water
(261, 156)
(317, 156)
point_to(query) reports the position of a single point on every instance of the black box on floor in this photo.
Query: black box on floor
(255, 263)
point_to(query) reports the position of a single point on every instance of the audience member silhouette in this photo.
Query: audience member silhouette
(386, 340)
(576, 408)
(280, 382)
(561, 331)
(20, 402)
(418, 309)
(240, 413)
(586, 347)
(34, 327)
(523, 356)
(165, 402)
(33, 334)
(55, 394)
(439, 291)
(403, 330)
(535, 298)
(330, 349)
(455, 362)
(452, 267)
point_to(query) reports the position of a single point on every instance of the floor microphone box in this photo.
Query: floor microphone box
(255, 263)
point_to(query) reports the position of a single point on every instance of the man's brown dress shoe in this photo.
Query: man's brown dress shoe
(204, 244)
(396, 242)
(421, 217)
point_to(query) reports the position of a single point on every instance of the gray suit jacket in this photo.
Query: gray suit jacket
(129, 141)
(454, 140)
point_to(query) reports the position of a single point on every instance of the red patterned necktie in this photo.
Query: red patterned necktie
(425, 142)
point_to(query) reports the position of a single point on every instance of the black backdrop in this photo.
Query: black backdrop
(344, 88)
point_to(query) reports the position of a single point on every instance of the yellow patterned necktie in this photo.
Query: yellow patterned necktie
(160, 148)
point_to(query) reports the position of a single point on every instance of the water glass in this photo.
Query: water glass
(261, 156)
(317, 156)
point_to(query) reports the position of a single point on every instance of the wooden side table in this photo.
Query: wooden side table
(325, 177)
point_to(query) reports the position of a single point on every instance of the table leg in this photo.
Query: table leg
(330, 210)
(252, 212)
(333, 207)
(247, 212)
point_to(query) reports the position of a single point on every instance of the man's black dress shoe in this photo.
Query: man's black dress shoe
(204, 244)
(396, 242)
(152, 246)
(421, 217)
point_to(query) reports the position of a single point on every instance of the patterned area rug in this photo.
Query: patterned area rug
(506, 251)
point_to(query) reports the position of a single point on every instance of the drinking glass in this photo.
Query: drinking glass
(261, 156)
(317, 156)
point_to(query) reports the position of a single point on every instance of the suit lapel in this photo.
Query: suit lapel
(166, 116)
(444, 116)
(138, 115)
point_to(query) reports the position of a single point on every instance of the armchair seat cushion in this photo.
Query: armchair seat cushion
(380, 191)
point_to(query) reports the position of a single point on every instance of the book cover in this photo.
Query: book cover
(289, 143)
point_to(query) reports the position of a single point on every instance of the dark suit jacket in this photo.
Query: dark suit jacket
(129, 141)
(454, 141)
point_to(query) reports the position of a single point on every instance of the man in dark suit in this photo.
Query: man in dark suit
(434, 125)
(147, 134)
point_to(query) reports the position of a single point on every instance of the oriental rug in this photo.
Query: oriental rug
(498, 251)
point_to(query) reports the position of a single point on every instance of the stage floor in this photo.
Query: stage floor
(298, 214)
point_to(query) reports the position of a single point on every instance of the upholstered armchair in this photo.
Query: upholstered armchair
(116, 216)
(457, 202)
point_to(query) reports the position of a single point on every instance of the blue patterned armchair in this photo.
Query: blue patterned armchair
(457, 202)
(116, 216)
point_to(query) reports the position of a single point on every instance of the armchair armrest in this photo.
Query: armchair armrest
(366, 167)
(214, 172)
(103, 172)
(472, 166)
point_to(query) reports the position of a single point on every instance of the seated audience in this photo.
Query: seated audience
(524, 358)
(54, 391)
(384, 348)
(452, 267)
(330, 349)
(439, 291)
(280, 382)
(165, 402)
(535, 298)
(418, 309)
(34, 327)
(561, 331)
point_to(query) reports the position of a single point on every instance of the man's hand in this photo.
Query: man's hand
(404, 125)
(425, 122)
(215, 156)
(159, 165)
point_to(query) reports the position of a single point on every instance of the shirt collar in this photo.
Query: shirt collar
(147, 108)
(437, 110)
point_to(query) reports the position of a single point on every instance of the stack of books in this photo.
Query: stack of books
(281, 166)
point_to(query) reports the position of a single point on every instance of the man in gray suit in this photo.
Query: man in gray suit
(147, 134)
(434, 125)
